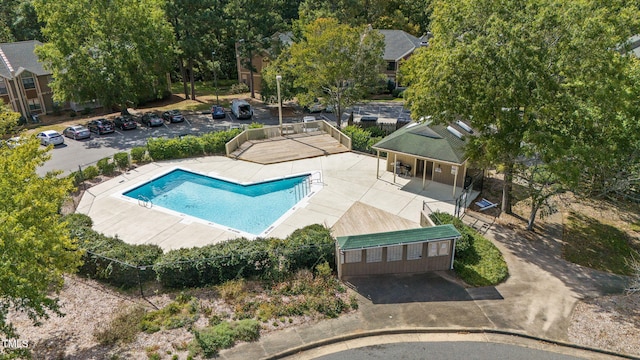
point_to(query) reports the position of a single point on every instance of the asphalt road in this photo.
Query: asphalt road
(444, 351)
(75, 153)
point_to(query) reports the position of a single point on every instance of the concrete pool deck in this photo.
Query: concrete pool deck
(346, 177)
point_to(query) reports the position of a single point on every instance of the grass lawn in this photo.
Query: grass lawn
(205, 88)
(590, 242)
(477, 261)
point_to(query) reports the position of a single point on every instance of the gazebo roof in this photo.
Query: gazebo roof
(436, 142)
(400, 237)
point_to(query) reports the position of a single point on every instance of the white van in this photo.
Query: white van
(241, 109)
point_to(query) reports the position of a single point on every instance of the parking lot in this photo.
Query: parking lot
(75, 153)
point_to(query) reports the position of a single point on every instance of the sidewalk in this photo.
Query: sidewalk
(537, 301)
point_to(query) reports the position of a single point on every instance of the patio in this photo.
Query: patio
(347, 178)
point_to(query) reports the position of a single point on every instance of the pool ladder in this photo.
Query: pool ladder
(144, 201)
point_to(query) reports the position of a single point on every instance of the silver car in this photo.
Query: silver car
(77, 132)
(50, 137)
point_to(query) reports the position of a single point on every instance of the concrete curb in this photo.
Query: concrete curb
(353, 336)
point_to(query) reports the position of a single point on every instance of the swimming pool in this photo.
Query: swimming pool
(250, 208)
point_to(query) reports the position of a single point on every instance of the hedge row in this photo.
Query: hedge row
(190, 146)
(242, 258)
(117, 263)
(110, 259)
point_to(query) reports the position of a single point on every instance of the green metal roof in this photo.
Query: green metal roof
(427, 141)
(433, 233)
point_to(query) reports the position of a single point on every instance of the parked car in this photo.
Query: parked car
(315, 107)
(50, 137)
(151, 119)
(77, 132)
(241, 109)
(101, 126)
(217, 112)
(173, 116)
(125, 122)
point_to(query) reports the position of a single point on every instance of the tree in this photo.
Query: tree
(116, 51)
(254, 22)
(35, 248)
(521, 75)
(541, 185)
(193, 25)
(336, 63)
(409, 15)
(25, 25)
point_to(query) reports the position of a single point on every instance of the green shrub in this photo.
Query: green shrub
(213, 143)
(239, 88)
(78, 220)
(255, 125)
(73, 114)
(106, 166)
(57, 109)
(214, 264)
(138, 154)
(398, 93)
(179, 313)
(121, 160)
(122, 328)
(247, 330)
(90, 172)
(87, 111)
(359, 138)
(376, 132)
(242, 258)
(177, 148)
(107, 257)
(210, 340)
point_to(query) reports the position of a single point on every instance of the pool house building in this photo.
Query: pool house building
(403, 251)
(427, 151)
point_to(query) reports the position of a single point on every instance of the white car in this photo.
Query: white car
(50, 137)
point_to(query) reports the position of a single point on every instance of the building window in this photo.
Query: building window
(34, 105)
(374, 255)
(444, 248)
(353, 256)
(391, 66)
(27, 81)
(394, 253)
(414, 251)
(3, 87)
(438, 248)
(433, 249)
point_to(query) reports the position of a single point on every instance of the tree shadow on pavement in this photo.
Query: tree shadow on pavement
(544, 249)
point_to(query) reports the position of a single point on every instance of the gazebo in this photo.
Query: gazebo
(428, 151)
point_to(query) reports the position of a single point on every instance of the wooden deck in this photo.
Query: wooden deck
(289, 147)
(364, 219)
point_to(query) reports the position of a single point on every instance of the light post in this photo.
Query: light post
(278, 78)
(215, 75)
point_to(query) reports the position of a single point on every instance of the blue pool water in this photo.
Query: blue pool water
(249, 208)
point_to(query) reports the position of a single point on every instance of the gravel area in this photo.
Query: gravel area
(608, 322)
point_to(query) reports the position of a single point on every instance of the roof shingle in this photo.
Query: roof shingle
(426, 141)
(16, 55)
(400, 237)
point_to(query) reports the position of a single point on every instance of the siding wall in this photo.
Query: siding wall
(426, 263)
